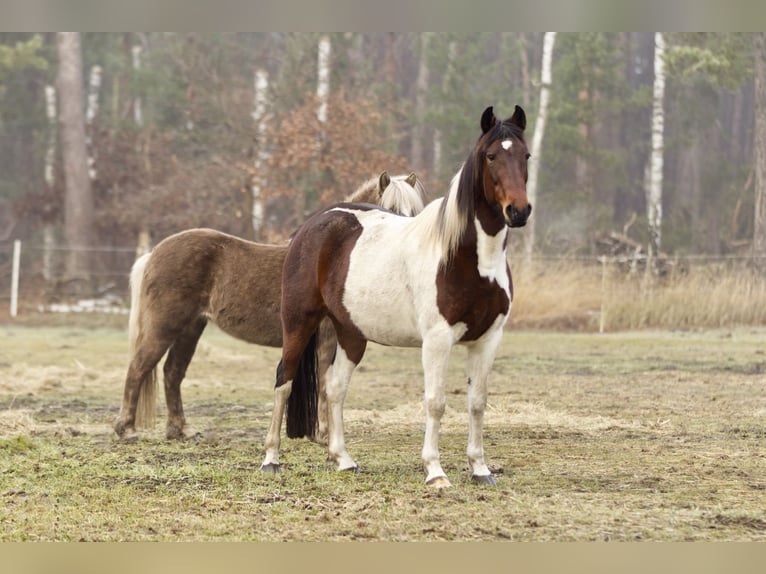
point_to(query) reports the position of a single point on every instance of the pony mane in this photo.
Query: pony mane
(399, 196)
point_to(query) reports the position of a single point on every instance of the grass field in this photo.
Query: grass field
(643, 435)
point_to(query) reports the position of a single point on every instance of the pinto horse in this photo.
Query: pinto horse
(202, 275)
(445, 269)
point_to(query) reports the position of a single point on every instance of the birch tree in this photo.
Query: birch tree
(78, 204)
(421, 90)
(654, 168)
(261, 155)
(49, 239)
(549, 40)
(759, 148)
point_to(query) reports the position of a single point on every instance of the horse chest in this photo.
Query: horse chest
(475, 288)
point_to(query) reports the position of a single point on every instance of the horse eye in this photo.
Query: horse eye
(491, 157)
(529, 155)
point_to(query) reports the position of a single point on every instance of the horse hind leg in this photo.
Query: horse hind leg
(298, 345)
(139, 377)
(174, 371)
(348, 354)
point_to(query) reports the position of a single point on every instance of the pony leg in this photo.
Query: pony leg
(174, 370)
(142, 364)
(338, 378)
(435, 357)
(478, 365)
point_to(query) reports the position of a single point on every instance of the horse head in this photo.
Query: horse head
(501, 158)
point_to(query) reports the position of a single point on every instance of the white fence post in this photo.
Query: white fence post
(15, 278)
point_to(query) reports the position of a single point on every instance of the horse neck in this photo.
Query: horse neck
(486, 236)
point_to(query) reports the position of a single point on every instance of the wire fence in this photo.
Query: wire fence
(607, 292)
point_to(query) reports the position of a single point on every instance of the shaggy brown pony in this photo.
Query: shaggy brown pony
(202, 275)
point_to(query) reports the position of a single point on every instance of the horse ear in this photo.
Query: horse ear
(383, 182)
(412, 179)
(488, 120)
(519, 118)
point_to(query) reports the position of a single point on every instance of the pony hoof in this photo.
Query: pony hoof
(439, 482)
(271, 468)
(487, 479)
(352, 469)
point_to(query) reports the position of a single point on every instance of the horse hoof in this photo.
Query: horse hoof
(129, 437)
(439, 482)
(487, 479)
(352, 469)
(271, 468)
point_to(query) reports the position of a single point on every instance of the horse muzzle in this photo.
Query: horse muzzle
(517, 217)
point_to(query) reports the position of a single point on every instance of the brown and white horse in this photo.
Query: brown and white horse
(433, 281)
(202, 275)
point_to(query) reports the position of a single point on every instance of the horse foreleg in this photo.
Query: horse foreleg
(338, 378)
(435, 357)
(174, 371)
(479, 362)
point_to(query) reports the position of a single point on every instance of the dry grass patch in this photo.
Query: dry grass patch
(574, 294)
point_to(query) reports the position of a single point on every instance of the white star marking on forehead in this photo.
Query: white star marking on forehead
(506, 144)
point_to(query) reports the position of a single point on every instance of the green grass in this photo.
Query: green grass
(624, 436)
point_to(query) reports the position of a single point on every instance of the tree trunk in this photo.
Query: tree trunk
(537, 139)
(94, 89)
(50, 162)
(259, 181)
(759, 148)
(78, 204)
(654, 171)
(421, 90)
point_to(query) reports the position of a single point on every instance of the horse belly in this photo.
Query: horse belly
(383, 310)
(389, 289)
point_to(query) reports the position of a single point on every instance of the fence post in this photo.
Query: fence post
(15, 277)
(602, 314)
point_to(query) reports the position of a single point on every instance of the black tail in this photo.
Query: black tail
(302, 404)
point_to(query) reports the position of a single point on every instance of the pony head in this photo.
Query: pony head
(501, 159)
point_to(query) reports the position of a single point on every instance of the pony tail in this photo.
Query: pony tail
(146, 409)
(302, 404)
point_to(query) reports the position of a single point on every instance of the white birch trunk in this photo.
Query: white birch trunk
(94, 89)
(323, 80)
(138, 114)
(654, 172)
(144, 241)
(50, 159)
(259, 182)
(549, 40)
(421, 89)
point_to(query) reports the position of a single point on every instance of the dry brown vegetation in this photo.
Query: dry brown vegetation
(624, 436)
(573, 294)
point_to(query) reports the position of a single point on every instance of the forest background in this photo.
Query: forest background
(250, 132)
